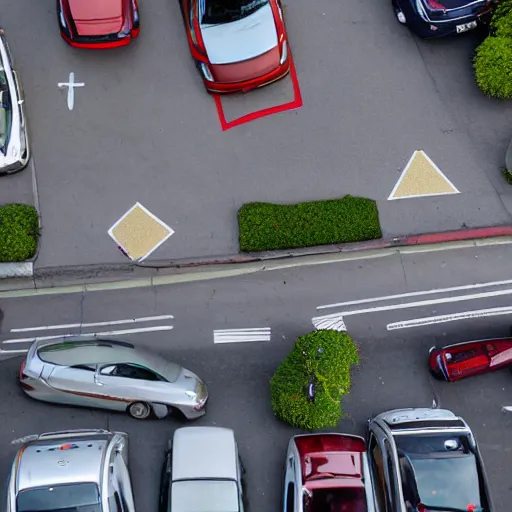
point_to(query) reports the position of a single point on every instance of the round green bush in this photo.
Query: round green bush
(493, 67)
(329, 356)
(501, 22)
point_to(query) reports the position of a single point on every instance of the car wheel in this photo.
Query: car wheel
(139, 410)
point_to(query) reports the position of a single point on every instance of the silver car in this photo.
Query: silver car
(202, 472)
(426, 459)
(14, 147)
(75, 470)
(91, 372)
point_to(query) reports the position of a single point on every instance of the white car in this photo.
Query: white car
(14, 147)
(202, 472)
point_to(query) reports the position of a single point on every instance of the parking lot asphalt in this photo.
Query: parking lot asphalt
(143, 129)
(392, 374)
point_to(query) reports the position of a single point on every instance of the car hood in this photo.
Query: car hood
(95, 10)
(241, 40)
(97, 17)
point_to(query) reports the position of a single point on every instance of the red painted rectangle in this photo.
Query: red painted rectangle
(294, 104)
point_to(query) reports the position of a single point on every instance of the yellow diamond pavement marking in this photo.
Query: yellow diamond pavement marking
(422, 178)
(138, 232)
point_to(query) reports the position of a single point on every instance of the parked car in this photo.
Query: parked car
(237, 45)
(455, 362)
(326, 472)
(202, 472)
(98, 24)
(426, 460)
(108, 374)
(74, 470)
(436, 18)
(14, 146)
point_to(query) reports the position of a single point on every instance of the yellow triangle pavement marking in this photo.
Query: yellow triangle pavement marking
(422, 178)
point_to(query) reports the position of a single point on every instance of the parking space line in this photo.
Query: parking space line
(247, 118)
(241, 335)
(446, 300)
(466, 315)
(94, 324)
(416, 294)
(104, 333)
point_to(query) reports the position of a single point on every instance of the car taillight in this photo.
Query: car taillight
(436, 5)
(22, 368)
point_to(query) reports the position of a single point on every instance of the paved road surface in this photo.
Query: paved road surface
(392, 372)
(143, 129)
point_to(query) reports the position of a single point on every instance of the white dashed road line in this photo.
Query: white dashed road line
(241, 335)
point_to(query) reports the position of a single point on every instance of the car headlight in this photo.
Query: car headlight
(135, 12)
(125, 31)
(61, 15)
(206, 72)
(14, 151)
(284, 53)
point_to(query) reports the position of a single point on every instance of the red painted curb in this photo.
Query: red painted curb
(454, 236)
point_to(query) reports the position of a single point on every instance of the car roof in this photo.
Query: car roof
(71, 352)
(204, 452)
(61, 461)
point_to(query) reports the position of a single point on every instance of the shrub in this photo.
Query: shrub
(329, 356)
(508, 176)
(501, 21)
(493, 67)
(267, 226)
(19, 232)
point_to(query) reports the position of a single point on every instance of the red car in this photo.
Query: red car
(98, 24)
(237, 45)
(327, 472)
(455, 362)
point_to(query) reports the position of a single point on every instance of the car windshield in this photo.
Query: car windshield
(217, 12)
(204, 496)
(5, 111)
(60, 498)
(439, 471)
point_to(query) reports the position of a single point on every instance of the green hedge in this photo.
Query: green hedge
(331, 367)
(19, 232)
(267, 226)
(493, 58)
(493, 67)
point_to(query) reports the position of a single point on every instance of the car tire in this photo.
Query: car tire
(139, 410)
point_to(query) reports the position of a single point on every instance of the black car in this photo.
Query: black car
(426, 460)
(436, 18)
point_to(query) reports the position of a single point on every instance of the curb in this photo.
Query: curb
(15, 276)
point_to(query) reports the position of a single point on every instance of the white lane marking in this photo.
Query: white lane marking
(104, 333)
(416, 294)
(21, 351)
(466, 315)
(94, 324)
(241, 335)
(71, 89)
(334, 322)
(459, 298)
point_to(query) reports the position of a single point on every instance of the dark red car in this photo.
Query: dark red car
(98, 24)
(237, 45)
(327, 472)
(455, 362)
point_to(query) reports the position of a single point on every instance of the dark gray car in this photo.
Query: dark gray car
(426, 460)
